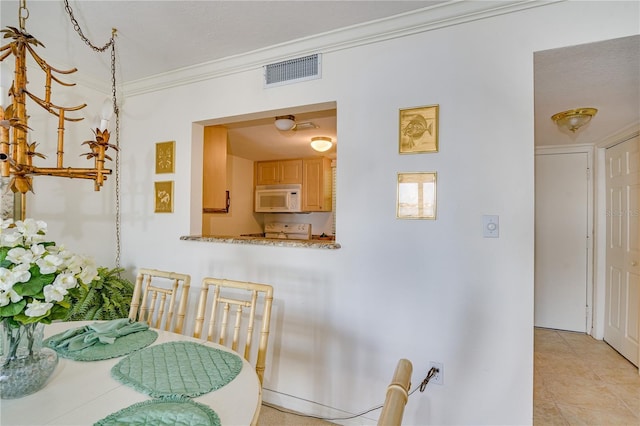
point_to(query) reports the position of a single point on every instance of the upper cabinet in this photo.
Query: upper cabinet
(316, 185)
(214, 174)
(278, 172)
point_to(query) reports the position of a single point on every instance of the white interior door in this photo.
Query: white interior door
(561, 241)
(623, 253)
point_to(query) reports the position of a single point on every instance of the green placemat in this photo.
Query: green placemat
(177, 369)
(163, 412)
(122, 346)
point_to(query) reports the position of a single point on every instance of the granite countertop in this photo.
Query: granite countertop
(262, 241)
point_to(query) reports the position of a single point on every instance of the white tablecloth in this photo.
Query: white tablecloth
(83, 392)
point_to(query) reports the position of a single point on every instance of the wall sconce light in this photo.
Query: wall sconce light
(574, 118)
(321, 143)
(285, 122)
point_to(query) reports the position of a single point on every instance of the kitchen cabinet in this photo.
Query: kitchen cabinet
(316, 184)
(278, 172)
(214, 173)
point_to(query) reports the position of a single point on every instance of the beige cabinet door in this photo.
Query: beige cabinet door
(279, 172)
(622, 297)
(267, 172)
(214, 165)
(316, 185)
(291, 171)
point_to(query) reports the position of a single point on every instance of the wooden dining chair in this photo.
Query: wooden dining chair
(154, 299)
(397, 395)
(251, 303)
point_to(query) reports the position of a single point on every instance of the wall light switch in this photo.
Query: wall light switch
(491, 226)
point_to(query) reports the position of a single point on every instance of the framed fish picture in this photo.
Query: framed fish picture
(419, 129)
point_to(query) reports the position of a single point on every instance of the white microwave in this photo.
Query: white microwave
(278, 198)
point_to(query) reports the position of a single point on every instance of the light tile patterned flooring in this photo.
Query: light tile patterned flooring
(582, 381)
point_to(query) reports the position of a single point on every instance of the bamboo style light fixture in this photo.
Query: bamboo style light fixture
(16, 150)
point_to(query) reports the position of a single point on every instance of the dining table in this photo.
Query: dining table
(85, 392)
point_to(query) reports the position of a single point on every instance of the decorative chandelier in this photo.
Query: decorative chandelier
(17, 152)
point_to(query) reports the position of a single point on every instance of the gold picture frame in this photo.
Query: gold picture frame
(417, 195)
(419, 129)
(163, 196)
(165, 157)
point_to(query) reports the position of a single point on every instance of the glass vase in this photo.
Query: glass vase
(25, 365)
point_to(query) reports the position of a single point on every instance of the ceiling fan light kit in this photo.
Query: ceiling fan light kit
(285, 122)
(573, 119)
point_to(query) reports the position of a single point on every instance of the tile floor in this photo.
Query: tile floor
(582, 381)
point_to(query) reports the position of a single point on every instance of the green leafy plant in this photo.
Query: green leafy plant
(108, 297)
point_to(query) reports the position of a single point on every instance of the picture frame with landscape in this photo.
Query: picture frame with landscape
(416, 195)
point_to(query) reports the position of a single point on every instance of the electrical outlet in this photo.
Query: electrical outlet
(438, 378)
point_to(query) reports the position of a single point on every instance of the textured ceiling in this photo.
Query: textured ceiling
(604, 75)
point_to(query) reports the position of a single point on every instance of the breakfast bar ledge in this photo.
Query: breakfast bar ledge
(274, 242)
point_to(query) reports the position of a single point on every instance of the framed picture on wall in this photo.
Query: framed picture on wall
(416, 195)
(164, 197)
(419, 129)
(165, 157)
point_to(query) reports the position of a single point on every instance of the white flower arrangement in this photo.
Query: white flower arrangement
(37, 277)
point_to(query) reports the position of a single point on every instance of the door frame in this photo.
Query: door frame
(588, 149)
(600, 223)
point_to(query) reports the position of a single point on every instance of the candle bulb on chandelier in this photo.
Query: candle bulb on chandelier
(105, 114)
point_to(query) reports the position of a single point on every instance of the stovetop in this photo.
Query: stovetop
(290, 231)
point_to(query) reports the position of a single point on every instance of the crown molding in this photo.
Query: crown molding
(442, 15)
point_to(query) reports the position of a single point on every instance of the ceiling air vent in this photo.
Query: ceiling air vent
(292, 71)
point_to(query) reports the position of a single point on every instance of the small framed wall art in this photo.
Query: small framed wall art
(416, 195)
(164, 197)
(419, 129)
(165, 157)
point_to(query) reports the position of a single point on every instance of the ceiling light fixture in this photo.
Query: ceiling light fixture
(321, 143)
(17, 151)
(285, 122)
(573, 119)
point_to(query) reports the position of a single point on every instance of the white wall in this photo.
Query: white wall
(423, 290)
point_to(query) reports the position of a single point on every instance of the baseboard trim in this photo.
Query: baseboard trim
(307, 407)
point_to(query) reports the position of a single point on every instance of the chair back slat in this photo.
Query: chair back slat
(238, 296)
(154, 299)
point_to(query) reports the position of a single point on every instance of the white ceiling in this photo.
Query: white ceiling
(603, 75)
(155, 37)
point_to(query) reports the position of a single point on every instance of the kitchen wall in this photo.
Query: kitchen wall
(422, 290)
(241, 219)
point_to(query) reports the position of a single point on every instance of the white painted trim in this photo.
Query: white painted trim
(442, 15)
(564, 149)
(318, 410)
